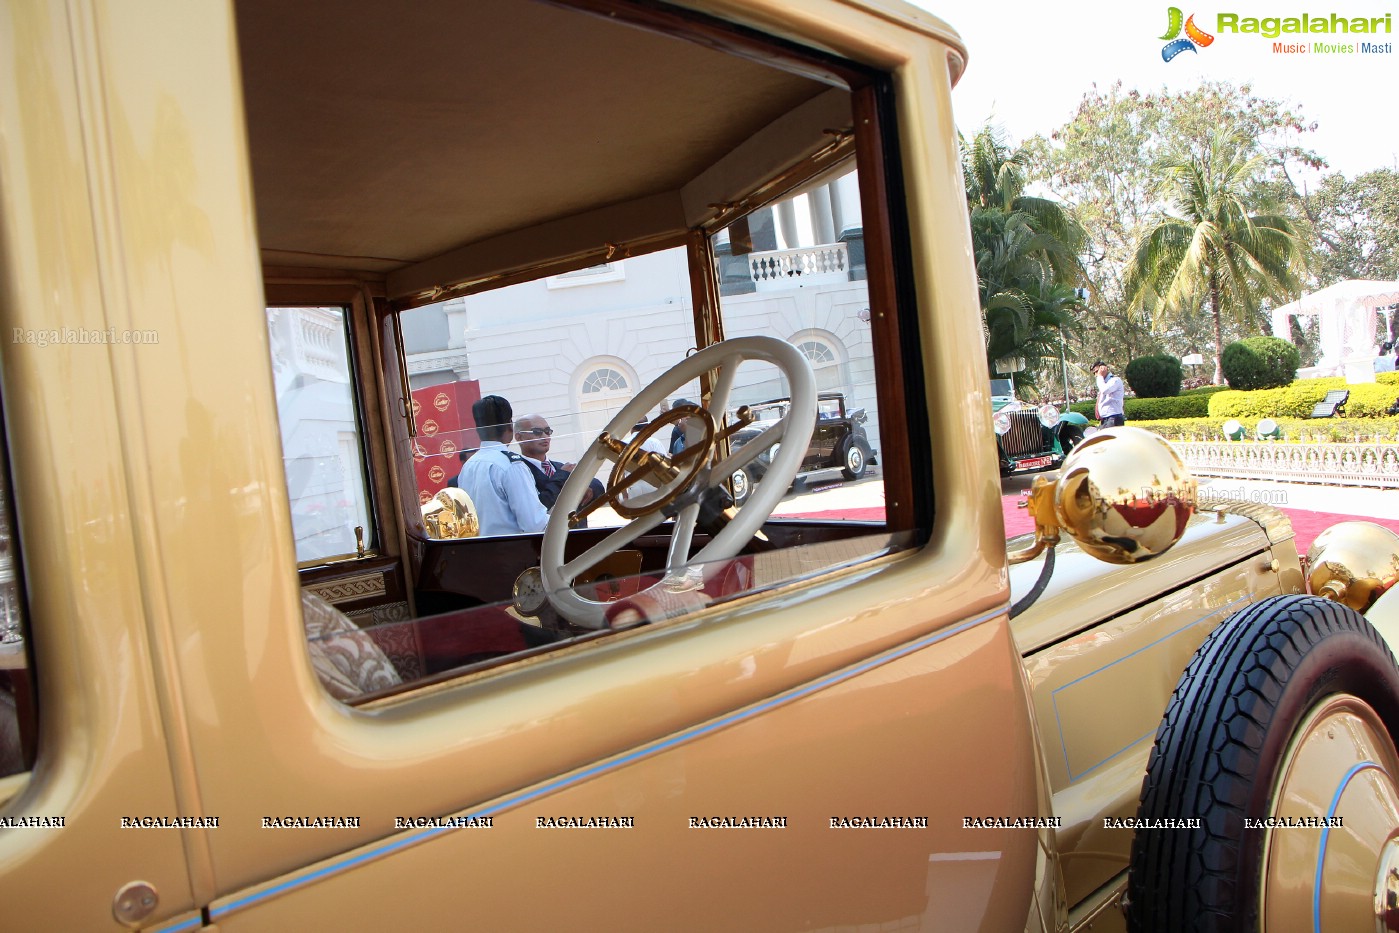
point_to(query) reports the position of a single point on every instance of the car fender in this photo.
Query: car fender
(1384, 616)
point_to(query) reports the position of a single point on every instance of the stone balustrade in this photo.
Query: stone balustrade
(789, 268)
(1353, 464)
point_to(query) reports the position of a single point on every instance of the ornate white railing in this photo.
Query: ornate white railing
(787, 268)
(1374, 464)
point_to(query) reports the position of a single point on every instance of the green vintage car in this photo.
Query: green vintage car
(1031, 439)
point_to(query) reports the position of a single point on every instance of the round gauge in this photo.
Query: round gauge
(529, 592)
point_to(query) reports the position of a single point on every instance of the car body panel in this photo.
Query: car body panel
(724, 768)
(1099, 688)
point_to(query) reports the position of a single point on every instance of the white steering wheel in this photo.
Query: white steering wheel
(681, 487)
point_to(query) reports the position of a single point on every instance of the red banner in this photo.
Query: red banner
(445, 429)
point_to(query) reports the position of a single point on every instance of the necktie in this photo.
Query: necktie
(548, 467)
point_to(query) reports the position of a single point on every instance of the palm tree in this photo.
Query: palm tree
(1020, 295)
(995, 181)
(1026, 250)
(1210, 248)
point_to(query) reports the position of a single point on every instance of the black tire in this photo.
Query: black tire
(1218, 749)
(1070, 437)
(742, 484)
(856, 461)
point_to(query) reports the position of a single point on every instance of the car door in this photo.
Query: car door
(102, 822)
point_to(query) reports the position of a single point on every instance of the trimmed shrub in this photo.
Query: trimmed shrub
(1155, 376)
(1343, 430)
(1298, 399)
(1205, 390)
(1260, 363)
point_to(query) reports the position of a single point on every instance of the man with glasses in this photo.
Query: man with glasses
(534, 436)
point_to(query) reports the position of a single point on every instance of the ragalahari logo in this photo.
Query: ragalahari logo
(1194, 36)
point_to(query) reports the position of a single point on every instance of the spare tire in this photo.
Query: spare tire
(1277, 751)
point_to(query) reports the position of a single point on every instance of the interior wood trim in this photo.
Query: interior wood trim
(905, 464)
(406, 507)
(357, 298)
(767, 157)
(728, 38)
(704, 294)
(632, 226)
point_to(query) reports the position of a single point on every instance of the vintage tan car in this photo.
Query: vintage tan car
(291, 291)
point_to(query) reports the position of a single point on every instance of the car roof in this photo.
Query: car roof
(407, 141)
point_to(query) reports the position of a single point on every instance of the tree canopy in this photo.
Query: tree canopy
(1209, 247)
(1106, 164)
(1027, 258)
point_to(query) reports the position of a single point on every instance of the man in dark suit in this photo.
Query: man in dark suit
(534, 436)
(677, 433)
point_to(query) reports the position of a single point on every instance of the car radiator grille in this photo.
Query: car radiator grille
(1024, 437)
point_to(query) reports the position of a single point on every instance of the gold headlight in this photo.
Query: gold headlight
(1125, 495)
(1353, 563)
(451, 514)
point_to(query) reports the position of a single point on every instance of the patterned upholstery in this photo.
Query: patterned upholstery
(345, 658)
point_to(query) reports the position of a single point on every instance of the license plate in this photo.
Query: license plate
(1033, 463)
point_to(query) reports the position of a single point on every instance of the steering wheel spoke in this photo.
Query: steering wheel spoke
(751, 451)
(610, 545)
(722, 386)
(679, 552)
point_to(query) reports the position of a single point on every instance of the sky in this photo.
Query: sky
(1030, 63)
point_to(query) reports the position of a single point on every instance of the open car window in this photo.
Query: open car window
(568, 352)
(322, 439)
(570, 420)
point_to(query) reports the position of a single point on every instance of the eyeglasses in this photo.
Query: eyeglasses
(536, 432)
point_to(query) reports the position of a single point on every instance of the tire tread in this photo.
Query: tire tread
(1207, 757)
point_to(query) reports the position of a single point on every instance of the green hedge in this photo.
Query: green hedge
(1155, 409)
(1298, 399)
(1205, 390)
(1293, 429)
(1152, 409)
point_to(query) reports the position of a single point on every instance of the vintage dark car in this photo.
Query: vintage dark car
(839, 442)
(1030, 439)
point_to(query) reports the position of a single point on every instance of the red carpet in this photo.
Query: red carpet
(1306, 525)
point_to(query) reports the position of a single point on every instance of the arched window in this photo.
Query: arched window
(817, 352)
(604, 380)
(605, 386)
(826, 361)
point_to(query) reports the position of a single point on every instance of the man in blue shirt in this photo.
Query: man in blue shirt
(1110, 389)
(497, 479)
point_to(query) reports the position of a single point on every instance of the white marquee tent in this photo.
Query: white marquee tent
(1346, 312)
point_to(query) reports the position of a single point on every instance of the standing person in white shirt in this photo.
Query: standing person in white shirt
(1109, 407)
(497, 479)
